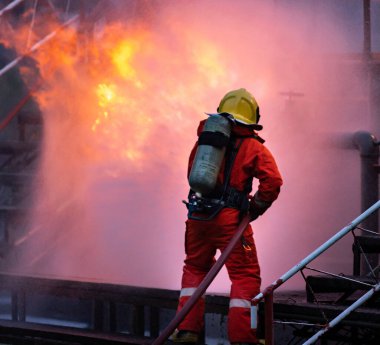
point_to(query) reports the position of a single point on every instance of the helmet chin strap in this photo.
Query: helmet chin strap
(258, 115)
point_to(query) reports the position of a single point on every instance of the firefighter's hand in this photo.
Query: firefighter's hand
(254, 213)
(257, 207)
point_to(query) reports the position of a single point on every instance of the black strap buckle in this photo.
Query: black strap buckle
(200, 205)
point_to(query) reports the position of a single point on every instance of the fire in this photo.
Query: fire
(122, 88)
(122, 58)
(106, 95)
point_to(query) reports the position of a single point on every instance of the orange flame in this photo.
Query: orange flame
(106, 95)
(124, 86)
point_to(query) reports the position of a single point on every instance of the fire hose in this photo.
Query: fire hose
(204, 284)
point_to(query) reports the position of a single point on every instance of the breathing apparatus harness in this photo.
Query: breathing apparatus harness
(225, 195)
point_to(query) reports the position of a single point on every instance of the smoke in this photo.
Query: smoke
(113, 170)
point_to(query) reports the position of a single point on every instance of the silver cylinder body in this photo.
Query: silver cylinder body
(208, 158)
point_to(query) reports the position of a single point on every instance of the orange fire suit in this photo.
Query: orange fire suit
(203, 238)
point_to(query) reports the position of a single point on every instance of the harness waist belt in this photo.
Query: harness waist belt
(231, 198)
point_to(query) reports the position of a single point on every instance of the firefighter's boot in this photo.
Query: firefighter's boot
(184, 337)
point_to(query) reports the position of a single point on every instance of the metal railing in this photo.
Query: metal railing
(267, 294)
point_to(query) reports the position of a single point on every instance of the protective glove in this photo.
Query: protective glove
(254, 213)
(257, 207)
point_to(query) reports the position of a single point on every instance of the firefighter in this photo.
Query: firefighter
(214, 217)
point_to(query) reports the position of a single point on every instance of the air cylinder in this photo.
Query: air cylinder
(212, 144)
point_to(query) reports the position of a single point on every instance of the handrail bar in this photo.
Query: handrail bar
(343, 314)
(268, 291)
(295, 269)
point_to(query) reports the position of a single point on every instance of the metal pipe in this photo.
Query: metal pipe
(369, 156)
(269, 334)
(47, 38)
(366, 143)
(204, 284)
(367, 28)
(343, 314)
(10, 6)
(316, 253)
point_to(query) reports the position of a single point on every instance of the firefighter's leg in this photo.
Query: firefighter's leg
(244, 272)
(199, 259)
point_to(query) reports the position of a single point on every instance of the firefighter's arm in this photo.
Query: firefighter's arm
(270, 182)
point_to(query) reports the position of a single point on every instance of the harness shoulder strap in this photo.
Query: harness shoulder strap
(231, 154)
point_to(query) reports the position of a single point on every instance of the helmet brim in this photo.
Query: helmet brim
(235, 118)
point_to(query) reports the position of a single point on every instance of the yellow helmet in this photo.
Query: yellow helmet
(242, 106)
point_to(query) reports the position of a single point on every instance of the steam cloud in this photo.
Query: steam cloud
(108, 202)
